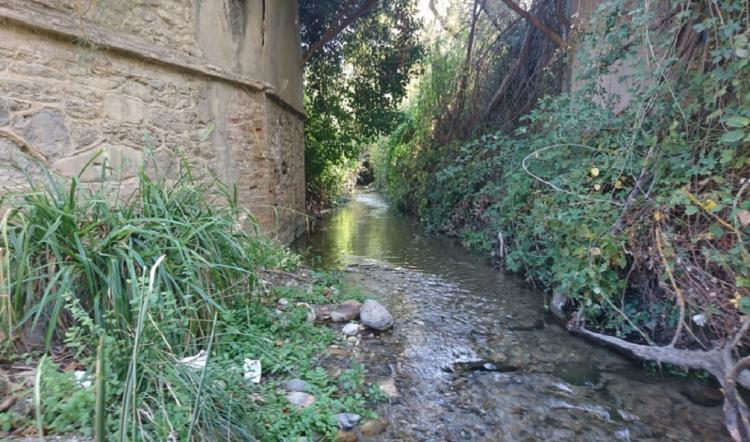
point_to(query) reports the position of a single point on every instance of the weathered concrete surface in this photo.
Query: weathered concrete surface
(218, 81)
(617, 86)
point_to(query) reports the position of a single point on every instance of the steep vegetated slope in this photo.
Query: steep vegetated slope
(623, 190)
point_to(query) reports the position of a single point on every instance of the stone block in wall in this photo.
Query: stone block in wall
(38, 69)
(81, 109)
(4, 112)
(134, 135)
(110, 162)
(84, 133)
(45, 132)
(124, 109)
(41, 92)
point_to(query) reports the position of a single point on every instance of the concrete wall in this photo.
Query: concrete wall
(219, 81)
(615, 88)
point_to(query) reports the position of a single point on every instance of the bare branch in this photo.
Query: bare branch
(512, 72)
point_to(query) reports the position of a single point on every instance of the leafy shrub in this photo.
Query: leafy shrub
(627, 211)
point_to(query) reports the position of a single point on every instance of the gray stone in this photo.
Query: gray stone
(45, 131)
(346, 311)
(300, 399)
(623, 434)
(30, 90)
(78, 108)
(296, 385)
(347, 421)
(83, 133)
(557, 304)
(350, 329)
(375, 316)
(4, 112)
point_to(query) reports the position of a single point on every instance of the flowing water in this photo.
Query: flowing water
(474, 354)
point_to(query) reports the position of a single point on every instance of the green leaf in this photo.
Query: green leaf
(738, 121)
(733, 136)
(691, 210)
(716, 231)
(726, 156)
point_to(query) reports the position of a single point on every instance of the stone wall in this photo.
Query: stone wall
(218, 82)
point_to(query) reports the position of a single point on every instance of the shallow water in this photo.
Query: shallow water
(473, 352)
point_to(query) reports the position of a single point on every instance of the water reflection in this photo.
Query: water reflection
(452, 310)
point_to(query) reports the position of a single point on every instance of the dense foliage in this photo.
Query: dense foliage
(353, 86)
(635, 209)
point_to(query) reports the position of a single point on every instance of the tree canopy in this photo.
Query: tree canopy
(359, 57)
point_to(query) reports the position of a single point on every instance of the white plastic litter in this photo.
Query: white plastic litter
(252, 370)
(82, 379)
(197, 362)
(699, 319)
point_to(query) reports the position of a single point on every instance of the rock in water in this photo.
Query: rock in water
(350, 329)
(296, 385)
(300, 400)
(347, 421)
(388, 388)
(346, 311)
(375, 316)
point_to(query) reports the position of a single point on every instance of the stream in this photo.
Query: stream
(475, 356)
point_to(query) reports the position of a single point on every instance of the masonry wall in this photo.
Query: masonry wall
(218, 82)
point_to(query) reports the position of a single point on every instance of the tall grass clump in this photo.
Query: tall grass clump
(127, 287)
(64, 241)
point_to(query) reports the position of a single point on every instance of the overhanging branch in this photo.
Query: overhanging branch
(344, 19)
(537, 23)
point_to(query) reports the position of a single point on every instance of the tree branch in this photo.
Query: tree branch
(534, 21)
(344, 19)
(512, 72)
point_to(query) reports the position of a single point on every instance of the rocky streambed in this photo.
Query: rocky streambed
(471, 354)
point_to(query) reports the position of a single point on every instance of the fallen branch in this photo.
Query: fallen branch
(719, 362)
(523, 56)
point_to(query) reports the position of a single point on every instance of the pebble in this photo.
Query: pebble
(300, 400)
(283, 302)
(347, 421)
(297, 385)
(350, 329)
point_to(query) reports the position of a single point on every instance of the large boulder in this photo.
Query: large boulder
(374, 315)
(346, 311)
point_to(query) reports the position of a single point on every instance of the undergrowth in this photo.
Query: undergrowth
(118, 289)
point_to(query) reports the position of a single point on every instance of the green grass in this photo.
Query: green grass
(127, 287)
